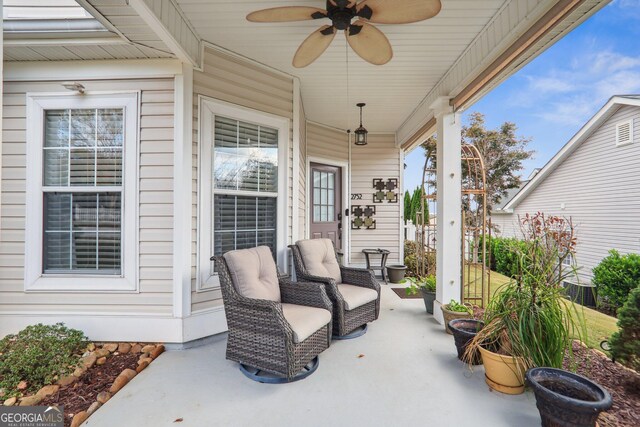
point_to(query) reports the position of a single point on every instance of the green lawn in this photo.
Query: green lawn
(598, 326)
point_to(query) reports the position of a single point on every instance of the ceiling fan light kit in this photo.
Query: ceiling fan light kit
(365, 39)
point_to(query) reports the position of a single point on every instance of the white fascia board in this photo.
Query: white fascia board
(591, 126)
(168, 37)
(91, 69)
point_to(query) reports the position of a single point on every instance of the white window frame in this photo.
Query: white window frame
(631, 136)
(35, 279)
(209, 108)
(568, 261)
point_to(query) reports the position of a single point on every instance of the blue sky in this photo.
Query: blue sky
(556, 93)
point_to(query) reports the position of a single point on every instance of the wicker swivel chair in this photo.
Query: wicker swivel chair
(275, 326)
(354, 292)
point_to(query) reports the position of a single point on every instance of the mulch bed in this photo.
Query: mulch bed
(622, 383)
(81, 394)
(403, 294)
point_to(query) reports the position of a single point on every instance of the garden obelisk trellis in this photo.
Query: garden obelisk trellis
(476, 228)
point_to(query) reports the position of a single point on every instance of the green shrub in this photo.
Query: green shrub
(503, 252)
(410, 248)
(625, 343)
(411, 262)
(615, 277)
(504, 258)
(37, 354)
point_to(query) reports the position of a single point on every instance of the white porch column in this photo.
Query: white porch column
(449, 205)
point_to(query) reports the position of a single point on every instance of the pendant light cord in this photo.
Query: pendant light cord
(346, 54)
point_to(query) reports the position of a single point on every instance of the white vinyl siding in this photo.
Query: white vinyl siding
(378, 159)
(327, 143)
(598, 186)
(155, 205)
(246, 84)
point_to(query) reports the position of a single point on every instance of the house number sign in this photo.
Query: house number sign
(356, 196)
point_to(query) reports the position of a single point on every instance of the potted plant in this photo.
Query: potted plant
(455, 310)
(529, 323)
(463, 332)
(396, 273)
(426, 286)
(567, 399)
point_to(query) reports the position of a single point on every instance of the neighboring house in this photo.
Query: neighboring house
(141, 137)
(594, 180)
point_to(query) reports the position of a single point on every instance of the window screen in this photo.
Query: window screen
(245, 185)
(82, 191)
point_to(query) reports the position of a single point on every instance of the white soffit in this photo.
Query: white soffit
(423, 53)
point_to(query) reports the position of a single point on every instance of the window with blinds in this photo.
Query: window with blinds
(83, 191)
(245, 185)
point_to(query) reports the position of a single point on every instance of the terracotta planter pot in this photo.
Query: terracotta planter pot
(503, 373)
(429, 298)
(565, 399)
(463, 332)
(451, 315)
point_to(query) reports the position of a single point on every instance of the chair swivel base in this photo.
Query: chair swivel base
(261, 376)
(357, 332)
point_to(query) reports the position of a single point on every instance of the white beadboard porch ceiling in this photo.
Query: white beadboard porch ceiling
(423, 52)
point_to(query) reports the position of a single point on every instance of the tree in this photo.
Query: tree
(407, 206)
(625, 343)
(502, 151)
(415, 203)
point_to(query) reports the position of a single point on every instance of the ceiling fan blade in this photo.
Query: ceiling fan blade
(369, 43)
(286, 14)
(314, 46)
(399, 11)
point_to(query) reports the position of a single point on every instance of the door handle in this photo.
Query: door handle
(339, 217)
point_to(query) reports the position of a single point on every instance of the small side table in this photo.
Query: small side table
(383, 260)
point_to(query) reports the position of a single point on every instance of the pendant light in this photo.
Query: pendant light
(361, 132)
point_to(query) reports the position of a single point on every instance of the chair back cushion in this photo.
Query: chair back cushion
(253, 273)
(319, 258)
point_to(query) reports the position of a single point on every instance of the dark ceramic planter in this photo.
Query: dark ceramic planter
(429, 298)
(396, 273)
(565, 399)
(463, 332)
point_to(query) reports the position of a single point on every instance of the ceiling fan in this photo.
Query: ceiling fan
(365, 39)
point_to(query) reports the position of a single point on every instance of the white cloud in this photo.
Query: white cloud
(572, 92)
(550, 85)
(629, 7)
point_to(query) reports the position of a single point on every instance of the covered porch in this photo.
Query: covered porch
(195, 72)
(404, 371)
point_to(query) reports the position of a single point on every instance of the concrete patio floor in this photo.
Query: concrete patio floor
(409, 375)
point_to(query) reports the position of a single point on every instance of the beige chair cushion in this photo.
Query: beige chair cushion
(305, 321)
(356, 296)
(254, 274)
(319, 258)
